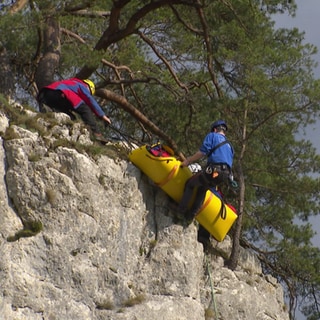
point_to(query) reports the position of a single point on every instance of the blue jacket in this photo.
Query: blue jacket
(223, 154)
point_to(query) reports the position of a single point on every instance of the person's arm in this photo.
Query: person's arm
(198, 155)
(94, 106)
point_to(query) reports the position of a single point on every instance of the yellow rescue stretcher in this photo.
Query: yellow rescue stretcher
(166, 172)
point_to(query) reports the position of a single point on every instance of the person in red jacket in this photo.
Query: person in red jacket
(74, 95)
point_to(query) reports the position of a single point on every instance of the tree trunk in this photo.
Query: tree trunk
(234, 257)
(49, 62)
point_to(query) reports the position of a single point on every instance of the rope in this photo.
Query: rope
(124, 136)
(212, 289)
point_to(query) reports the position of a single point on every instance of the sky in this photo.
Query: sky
(307, 19)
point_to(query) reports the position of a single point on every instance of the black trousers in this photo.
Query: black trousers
(202, 181)
(56, 100)
(201, 184)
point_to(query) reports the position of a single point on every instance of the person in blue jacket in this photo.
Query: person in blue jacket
(74, 95)
(218, 170)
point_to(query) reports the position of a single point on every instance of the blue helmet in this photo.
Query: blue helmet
(219, 123)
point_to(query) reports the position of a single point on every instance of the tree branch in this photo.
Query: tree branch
(91, 14)
(113, 33)
(165, 61)
(19, 5)
(73, 35)
(125, 105)
(117, 73)
(209, 49)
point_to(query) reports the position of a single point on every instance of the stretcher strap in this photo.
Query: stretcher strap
(223, 211)
(168, 177)
(160, 159)
(205, 204)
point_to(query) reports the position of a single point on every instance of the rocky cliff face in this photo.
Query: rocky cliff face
(89, 237)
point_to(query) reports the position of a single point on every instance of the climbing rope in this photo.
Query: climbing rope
(212, 289)
(123, 136)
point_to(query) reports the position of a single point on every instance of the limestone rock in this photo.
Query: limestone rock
(106, 246)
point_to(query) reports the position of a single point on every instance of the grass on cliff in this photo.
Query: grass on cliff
(20, 117)
(30, 229)
(134, 301)
(114, 151)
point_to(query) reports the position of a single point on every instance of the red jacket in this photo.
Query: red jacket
(77, 92)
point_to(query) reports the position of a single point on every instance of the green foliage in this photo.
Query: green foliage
(114, 151)
(106, 305)
(209, 314)
(11, 134)
(30, 229)
(134, 301)
(20, 117)
(33, 157)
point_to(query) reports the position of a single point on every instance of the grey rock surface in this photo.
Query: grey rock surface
(108, 247)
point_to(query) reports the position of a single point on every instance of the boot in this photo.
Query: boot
(99, 137)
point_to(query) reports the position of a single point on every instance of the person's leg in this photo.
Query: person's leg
(43, 107)
(203, 236)
(56, 101)
(198, 201)
(192, 183)
(51, 98)
(197, 181)
(203, 186)
(88, 117)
